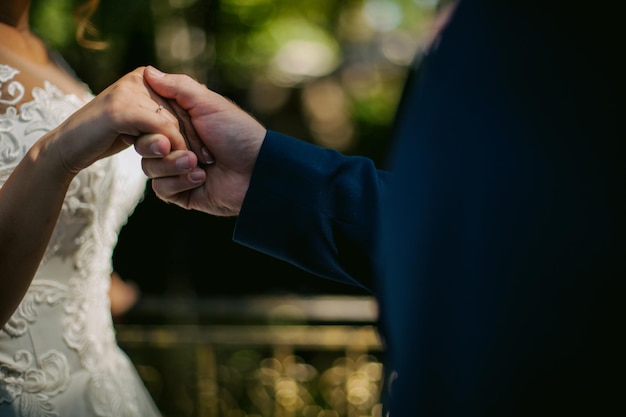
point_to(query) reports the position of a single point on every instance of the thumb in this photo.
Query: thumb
(160, 82)
(181, 88)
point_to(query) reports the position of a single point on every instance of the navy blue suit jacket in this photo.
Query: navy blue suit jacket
(495, 245)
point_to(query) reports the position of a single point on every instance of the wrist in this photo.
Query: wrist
(47, 157)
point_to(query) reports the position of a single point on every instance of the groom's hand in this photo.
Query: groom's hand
(224, 139)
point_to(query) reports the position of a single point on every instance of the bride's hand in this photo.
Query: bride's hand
(112, 121)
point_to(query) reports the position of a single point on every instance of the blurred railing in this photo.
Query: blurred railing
(273, 356)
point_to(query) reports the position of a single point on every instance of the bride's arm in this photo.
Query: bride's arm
(31, 198)
(30, 202)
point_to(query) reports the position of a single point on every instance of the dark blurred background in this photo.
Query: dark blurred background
(325, 71)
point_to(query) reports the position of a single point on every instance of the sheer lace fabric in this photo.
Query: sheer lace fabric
(58, 353)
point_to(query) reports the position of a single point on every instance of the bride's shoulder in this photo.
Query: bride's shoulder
(12, 90)
(24, 78)
(7, 72)
(22, 87)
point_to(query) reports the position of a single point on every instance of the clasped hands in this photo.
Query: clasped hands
(211, 170)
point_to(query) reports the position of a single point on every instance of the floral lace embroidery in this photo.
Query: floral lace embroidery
(15, 89)
(49, 108)
(10, 149)
(40, 292)
(34, 384)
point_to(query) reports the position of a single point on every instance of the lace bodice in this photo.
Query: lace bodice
(58, 354)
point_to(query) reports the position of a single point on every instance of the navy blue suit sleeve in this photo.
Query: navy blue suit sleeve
(314, 208)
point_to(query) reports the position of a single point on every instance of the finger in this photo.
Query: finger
(145, 119)
(169, 188)
(191, 136)
(207, 157)
(128, 139)
(164, 109)
(173, 164)
(152, 145)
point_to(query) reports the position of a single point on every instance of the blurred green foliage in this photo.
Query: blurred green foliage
(273, 50)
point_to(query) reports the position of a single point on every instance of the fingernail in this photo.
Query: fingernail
(183, 163)
(154, 148)
(196, 176)
(155, 72)
(206, 155)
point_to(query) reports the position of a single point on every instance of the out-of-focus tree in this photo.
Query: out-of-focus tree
(328, 71)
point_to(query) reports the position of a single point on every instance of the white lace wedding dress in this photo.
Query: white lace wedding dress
(58, 352)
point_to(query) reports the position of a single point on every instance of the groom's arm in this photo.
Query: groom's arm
(314, 208)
